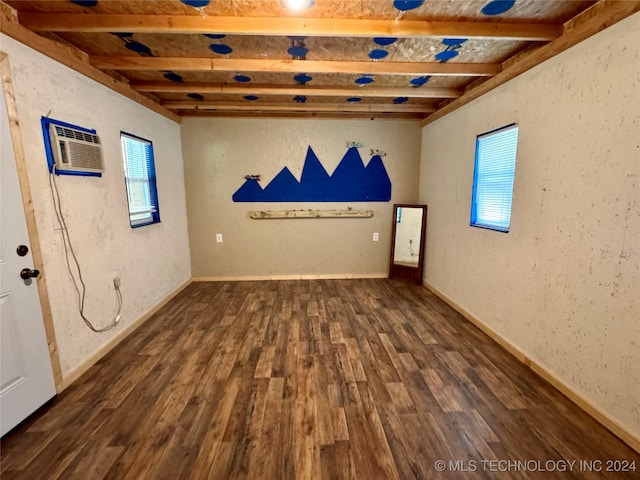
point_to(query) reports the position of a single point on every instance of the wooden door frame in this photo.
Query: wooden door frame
(30, 216)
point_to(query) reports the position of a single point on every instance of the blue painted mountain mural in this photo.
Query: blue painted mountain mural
(350, 182)
(315, 180)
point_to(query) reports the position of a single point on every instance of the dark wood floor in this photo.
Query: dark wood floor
(327, 379)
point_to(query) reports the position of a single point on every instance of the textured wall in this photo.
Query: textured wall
(150, 261)
(218, 154)
(564, 284)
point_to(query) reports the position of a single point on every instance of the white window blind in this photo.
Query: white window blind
(140, 178)
(493, 178)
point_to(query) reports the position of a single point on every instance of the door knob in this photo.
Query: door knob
(22, 250)
(27, 273)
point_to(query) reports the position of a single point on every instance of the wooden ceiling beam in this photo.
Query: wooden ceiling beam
(297, 107)
(321, 27)
(332, 115)
(593, 20)
(73, 58)
(411, 92)
(193, 64)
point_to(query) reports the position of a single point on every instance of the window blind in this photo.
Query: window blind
(493, 178)
(140, 179)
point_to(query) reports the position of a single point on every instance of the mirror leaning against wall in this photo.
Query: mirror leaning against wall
(408, 242)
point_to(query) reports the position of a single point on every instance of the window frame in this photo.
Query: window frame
(497, 226)
(151, 190)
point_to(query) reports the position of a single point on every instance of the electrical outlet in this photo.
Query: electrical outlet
(411, 241)
(116, 282)
(376, 237)
(219, 237)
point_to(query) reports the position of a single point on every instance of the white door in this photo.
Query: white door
(26, 378)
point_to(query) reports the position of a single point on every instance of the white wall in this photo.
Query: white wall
(151, 261)
(218, 154)
(564, 284)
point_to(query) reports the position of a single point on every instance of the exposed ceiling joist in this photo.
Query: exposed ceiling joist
(329, 115)
(595, 19)
(410, 92)
(431, 48)
(294, 66)
(75, 59)
(321, 27)
(299, 107)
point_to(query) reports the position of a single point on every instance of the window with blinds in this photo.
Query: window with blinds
(140, 177)
(493, 178)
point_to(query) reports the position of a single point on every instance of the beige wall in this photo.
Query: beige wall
(150, 261)
(563, 285)
(220, 152)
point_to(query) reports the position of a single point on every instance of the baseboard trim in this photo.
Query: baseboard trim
(329, 276)
(78, 371)
(594, 411)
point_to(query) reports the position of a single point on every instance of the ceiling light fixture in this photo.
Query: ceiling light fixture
(297, 5)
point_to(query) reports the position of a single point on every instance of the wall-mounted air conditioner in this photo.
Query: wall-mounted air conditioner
(75, 150)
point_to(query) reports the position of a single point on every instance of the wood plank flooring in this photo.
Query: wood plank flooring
(327, 379)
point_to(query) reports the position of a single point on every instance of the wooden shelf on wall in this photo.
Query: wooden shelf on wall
(280, 214)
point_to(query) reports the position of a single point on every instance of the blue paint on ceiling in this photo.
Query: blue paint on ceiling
(453, 45)
(85, 3)
(404, 5)
(446, 55)
(250, 98)
(365, 80)
(354, 99)
(298, 51)
(350, 182)
(174, 77)
(452, 42)
(399, 100)
(418, 82)
(242, 78)
(195, 96)
(215, 36)
(220, 48)
(383, 41)
(139, 48)
(377, 54)
(497, 7)
(302, 78)
(300, 99)
(196, 3)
